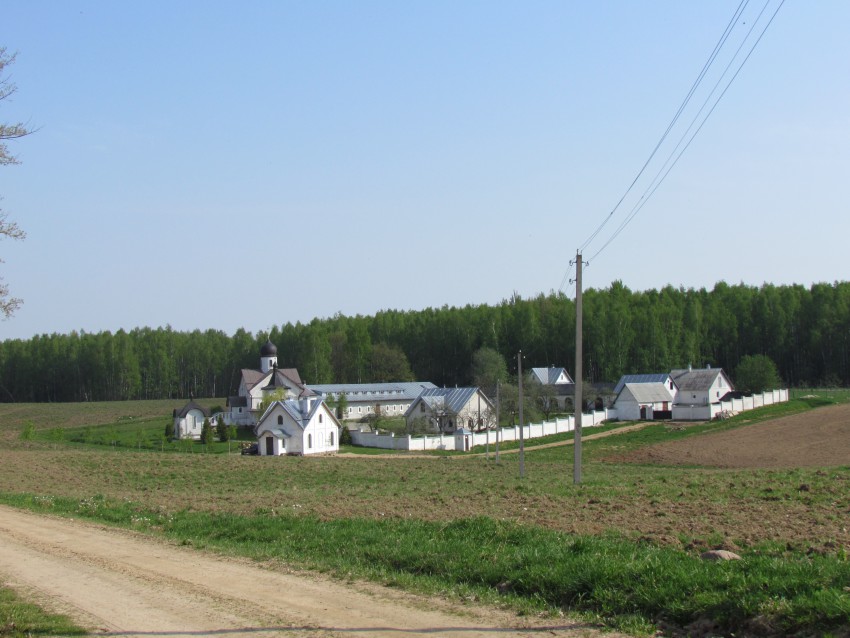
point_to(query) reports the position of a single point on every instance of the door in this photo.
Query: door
(269, 446)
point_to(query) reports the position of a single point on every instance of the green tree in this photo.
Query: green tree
(169, 429)
(206, 432)
(342, 406)
(488, 368)
(9, 229)
(388, 363)
(756, 373)
(221, 430)
(268, 399)
(544, 398)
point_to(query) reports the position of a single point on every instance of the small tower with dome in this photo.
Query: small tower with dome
(268, 356)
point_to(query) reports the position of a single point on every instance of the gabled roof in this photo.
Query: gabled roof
(300, 411)
(646, 392)
(697, 380)
(452, 400)
(283, 377)
(550, 376)
(640, 378)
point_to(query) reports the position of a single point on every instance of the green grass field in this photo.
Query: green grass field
(622, 548)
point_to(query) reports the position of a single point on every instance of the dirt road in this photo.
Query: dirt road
(124, 584)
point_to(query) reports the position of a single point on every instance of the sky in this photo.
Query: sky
(210, 164)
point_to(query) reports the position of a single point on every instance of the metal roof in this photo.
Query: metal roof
(698, 379)
(452, 399)
(648, 392)
(368, 392)
(550, 376)
(640, 378)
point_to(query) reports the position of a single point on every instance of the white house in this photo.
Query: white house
(559, 380)
(363, 399)
(256, 385)
(299, 427)
(699, 388)
(662, 377)
(642, 401)
(189, 421)
(550, 376)
(448, 409)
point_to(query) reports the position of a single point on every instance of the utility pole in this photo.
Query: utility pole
(498, 423)
(579, 408)
(521, 424)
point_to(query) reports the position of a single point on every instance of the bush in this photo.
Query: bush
(345, 436)
(206, 432)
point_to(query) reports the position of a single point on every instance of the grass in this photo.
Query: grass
(623, 583)
(622, 547)
(21, 619)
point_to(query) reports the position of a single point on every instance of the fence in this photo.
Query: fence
(732, 406)
(464, 440)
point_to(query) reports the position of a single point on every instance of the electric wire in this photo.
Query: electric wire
(717, 47)
(656, 181)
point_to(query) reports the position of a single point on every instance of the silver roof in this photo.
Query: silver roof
(402, 391)
(640, 378)
(454, 399)
(698, 379)
(549, 376)
(648, 392)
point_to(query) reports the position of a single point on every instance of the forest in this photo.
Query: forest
(805, 331)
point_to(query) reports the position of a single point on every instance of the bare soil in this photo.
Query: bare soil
(817, 438)
(121, 583)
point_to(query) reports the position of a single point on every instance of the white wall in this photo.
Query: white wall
(455, 442)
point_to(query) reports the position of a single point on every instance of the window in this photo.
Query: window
(422, 407)
(280, 419)
(309, 441)
(320, 417)
(332, 439)
(359, 410)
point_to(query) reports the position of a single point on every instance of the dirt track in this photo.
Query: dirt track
(817, 438)
(128, 585)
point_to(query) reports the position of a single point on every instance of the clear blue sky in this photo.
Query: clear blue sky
(222, 164)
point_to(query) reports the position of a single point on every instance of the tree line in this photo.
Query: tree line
(805, 331)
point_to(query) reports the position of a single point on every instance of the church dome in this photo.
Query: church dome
(268, 349)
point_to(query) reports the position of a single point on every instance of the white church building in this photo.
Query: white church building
(256, 385)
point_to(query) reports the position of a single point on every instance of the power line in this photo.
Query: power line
(717, 47)
(656, 182)
(662, 173)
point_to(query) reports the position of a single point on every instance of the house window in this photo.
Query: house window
(332, 439)
(280, 419)
(309, 441)
(320, 418)
(359, 410)
(421, 407)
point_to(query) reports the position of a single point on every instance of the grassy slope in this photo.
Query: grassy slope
(472, 527)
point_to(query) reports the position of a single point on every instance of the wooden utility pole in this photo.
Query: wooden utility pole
(521, 436)
(498, 423)
(578, 401)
